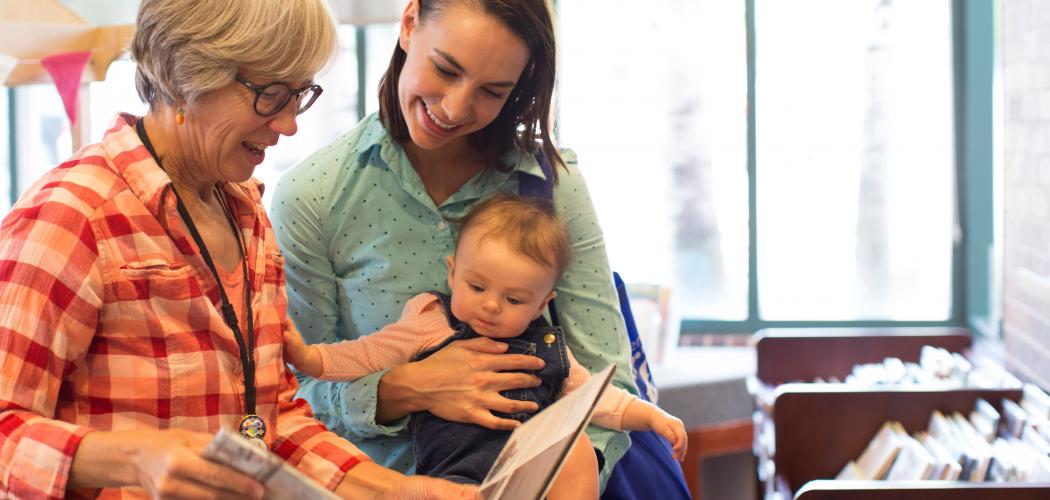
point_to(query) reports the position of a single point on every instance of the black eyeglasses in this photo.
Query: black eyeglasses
(271, 98)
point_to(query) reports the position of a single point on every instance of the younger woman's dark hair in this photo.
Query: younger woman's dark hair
(525, 121)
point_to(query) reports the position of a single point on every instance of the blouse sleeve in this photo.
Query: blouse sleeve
(50, 297)
(587, 304)
(298, 215)
(303, 442)
(422, 326)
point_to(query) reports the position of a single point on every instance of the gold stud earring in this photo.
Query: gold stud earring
(180, 116)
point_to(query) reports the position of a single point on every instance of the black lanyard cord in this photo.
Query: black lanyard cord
(229, 315)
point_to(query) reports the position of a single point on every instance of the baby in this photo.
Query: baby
(511, 252)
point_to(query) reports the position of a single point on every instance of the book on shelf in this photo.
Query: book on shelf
(975, 448)
(877, 458)
(937, 368)
(914, 462)
(1039, 469)
(985, 419)
(1035, 402)
(946, 430)
(850, 472)
(1014, 418)
(1005, 466)
(1032, 436)
(945, 467)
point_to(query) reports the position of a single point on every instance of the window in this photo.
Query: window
(5, 149)
(654, 102)
(43, 134)
(854, 160)
(115, 94)
(837, 206)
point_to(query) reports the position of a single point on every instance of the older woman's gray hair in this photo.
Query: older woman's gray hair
(186, 48)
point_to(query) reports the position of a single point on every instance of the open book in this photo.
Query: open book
(524, 469)
(282, 481)
(536, 450)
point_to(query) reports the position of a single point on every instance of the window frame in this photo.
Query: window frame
(973, 23)
(12, 146)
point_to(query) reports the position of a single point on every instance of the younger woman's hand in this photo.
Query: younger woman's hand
(461, 383)
(430, 488)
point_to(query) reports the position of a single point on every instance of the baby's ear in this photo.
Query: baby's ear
(546, 301)
(451, 261)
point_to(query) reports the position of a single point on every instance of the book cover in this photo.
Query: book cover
(536, 450)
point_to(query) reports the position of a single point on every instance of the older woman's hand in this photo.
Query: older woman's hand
(165, 463)
(169, 465)
(460, 383)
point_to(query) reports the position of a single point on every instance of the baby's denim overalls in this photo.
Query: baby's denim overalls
(464, 452)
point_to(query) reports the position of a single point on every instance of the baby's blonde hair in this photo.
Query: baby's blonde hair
(530, 226)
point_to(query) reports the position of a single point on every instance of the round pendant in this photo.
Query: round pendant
(253, 427)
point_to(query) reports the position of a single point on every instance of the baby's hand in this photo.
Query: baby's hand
(305, 358)
(672, 429)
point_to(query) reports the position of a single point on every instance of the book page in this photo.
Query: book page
(536, 450)
(282, 481)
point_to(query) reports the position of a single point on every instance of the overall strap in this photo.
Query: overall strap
(446, 306)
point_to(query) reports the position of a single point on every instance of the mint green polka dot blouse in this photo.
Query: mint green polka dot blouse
(360, 236)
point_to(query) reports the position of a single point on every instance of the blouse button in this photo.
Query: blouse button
(441, 226)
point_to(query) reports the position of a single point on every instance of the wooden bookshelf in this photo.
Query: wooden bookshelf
(821, 428)
(790, 354)
(818, 428)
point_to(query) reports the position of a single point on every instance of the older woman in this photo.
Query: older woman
(142, 299)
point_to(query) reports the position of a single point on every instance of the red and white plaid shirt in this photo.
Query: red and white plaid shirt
(109, 321)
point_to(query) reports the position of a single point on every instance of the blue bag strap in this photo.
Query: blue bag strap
(531, 185)
(643, 377)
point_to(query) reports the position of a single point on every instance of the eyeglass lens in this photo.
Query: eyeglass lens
(275, 96)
